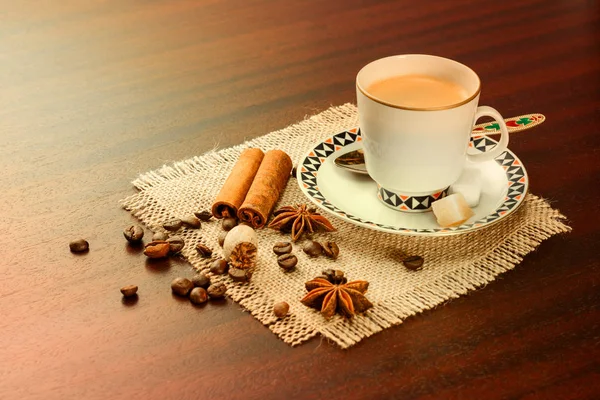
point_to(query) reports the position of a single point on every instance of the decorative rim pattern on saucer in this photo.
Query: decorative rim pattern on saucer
(307, 174)
(409, 203)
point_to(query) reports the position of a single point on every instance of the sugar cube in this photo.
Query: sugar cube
(452, 210)
(469, 185)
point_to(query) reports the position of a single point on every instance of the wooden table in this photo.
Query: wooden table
(94, 92)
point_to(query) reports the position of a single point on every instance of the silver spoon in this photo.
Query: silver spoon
(355, 160)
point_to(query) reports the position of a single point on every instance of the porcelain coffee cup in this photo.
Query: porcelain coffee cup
(414, 154)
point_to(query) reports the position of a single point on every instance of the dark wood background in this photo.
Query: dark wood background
(94, 92)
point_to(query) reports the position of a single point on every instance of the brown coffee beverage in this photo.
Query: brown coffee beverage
(417, 91)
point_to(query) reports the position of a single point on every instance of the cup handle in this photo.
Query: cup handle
(501, 146)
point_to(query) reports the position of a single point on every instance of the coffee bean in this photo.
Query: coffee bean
(334, 276)
(176, 244)
(204, 216)
(129, 290)
(79, 246)
(294, 171)
(229, 223)
(216, 291)
(191, 222)
(181, 286)
(173, 225)
(287, 261)
(201, 280)
(134, 233)
(313, 249)
(219, 267)
(203, 250)
(331, 249)
(413, 262)
(281, 309)
(222, 236)
(282, 248)
(338, 277)
(157, 249)
(198, 295)
(160, 236)
(238, 275)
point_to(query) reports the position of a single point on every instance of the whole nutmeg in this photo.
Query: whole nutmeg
(157, 249)
(281, 309)
(129, 290)
(198, 295)
(216, 290)
(133, 233)
(181, 286)
(79, 246)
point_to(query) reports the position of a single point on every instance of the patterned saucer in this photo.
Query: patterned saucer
(353, 197)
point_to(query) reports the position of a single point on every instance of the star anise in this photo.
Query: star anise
(347, 299)
(298, 220)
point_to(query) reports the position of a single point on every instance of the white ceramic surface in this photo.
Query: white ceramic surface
(420, 151)
(353, 197)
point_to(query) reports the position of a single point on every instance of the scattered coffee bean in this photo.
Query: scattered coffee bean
(157, 249)
(281, 309)
(203, 216)
(203, 250)
(313, 249)
(79, 246)
(294, 171)
(287, 261)
(238, 275)
(413, 262)
(216, 291)
(335, 276)
(201, 280)
(176, 244)
(339, 278)
(160, 236)
(181, 286)
(173, 225)
(129, 290)
(219, 267)
(229, 223)
(198, 295)
(331, 249)
(282, 248)
(222, 236)
(191, 222)
(134, 233)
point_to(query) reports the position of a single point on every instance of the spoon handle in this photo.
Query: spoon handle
(514, 124)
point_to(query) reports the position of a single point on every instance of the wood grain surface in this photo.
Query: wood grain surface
(92, 93)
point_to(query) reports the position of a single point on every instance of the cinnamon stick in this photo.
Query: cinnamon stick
(234, 191)
(268, 184)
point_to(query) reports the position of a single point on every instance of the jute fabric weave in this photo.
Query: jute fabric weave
(454, 265)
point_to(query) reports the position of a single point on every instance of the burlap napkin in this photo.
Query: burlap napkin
(454, 265)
